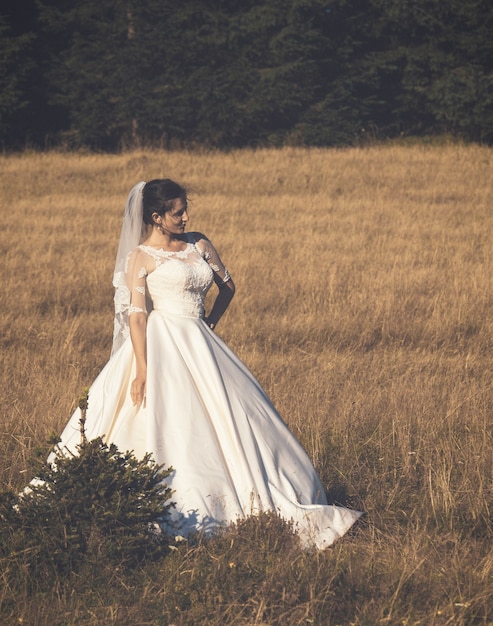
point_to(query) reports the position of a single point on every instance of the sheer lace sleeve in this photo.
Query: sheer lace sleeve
(136, 273)
(130, 295)
(209, 253)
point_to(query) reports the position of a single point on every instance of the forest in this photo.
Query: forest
(114, 74)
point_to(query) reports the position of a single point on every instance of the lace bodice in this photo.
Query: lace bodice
(179, 282)
(169, 282)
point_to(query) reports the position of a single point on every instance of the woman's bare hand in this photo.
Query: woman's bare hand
(138, 389)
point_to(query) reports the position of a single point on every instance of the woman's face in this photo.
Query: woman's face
(175, 220)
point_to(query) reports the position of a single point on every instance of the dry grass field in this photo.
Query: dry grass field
(364, 307)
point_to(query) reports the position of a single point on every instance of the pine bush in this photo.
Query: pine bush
(97, 508)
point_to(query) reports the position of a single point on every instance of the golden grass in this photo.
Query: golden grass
(364, 299)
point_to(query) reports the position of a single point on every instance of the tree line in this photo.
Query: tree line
(108, 74)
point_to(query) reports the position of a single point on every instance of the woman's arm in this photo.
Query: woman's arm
(222, 279)
(221, 303)
(138, 327)
(136, 273)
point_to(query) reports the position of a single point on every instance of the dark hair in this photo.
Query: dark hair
(159, 195)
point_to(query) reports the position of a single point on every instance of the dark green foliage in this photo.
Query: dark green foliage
(108, 74)
(14, 77)
(87, 511)
(446, 56)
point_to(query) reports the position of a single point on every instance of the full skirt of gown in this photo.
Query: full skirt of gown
(207, 416)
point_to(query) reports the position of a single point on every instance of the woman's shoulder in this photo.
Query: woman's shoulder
(139, 251)
(200, 241)
(141, 255)
(197, 237)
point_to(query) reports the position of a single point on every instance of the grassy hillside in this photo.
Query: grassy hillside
(364, 307)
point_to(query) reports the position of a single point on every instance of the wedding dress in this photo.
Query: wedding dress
(204, 412)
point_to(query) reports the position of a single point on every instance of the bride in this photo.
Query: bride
(173, 388)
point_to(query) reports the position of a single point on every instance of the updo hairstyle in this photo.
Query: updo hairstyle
(159, 196)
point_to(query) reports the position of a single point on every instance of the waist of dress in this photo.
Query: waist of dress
(179, 311)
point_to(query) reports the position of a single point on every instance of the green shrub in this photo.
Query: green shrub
(94, 509)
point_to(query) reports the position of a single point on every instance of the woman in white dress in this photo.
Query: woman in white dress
(173, 388)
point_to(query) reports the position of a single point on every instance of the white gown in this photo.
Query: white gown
(205, 414)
